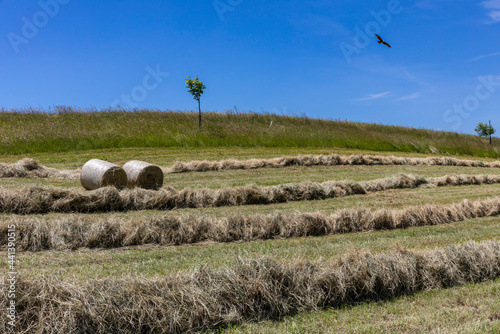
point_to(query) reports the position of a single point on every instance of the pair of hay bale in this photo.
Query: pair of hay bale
(98, 173)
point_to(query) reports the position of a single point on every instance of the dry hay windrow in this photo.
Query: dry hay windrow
(30, 168)
(19, 169)
(324, 160)
(73, 232)
(43, 200)
(251, 291)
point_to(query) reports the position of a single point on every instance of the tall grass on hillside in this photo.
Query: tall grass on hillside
(254, 290)
(39, 234)
(78, 129)
(43, 200)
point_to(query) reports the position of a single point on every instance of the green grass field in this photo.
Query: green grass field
(86, 129)
(70, 139)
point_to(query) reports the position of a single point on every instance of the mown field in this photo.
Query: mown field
(326, 240)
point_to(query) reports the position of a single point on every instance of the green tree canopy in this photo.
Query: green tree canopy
(196, 88)
(484, 130)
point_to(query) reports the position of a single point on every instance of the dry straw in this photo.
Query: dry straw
(300, 160)
(251, 291)
(43, 200)
(38, 234)
(30, 168)
(97, 173)
(143, 175)
(324, 160)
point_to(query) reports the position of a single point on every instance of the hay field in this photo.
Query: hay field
(260, 246)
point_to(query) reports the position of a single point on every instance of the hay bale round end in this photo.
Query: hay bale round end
(99, 173)
(143, 175)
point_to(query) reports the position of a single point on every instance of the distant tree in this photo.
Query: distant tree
(485, 130)
(196, 88)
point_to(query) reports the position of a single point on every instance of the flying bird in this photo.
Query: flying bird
(381, 41)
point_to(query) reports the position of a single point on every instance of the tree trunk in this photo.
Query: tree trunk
(490, 132)
(199, 114)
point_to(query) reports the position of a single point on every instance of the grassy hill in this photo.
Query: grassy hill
(37, 132)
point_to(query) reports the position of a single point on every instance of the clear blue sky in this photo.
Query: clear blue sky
(290, 57)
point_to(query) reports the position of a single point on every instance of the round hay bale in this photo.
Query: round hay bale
(143, 175)
(98, 173)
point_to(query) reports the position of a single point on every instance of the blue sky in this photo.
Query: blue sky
(316, 58)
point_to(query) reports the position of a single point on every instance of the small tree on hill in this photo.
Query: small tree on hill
(196, 88)
(485, 130)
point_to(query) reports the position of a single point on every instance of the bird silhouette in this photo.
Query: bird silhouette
(381, 41)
